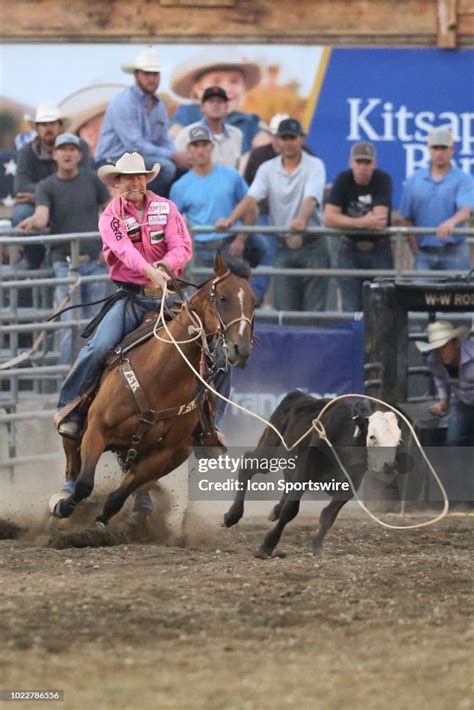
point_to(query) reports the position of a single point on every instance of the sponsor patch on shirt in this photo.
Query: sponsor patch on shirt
(131, 224)
(157, 219)
(154, 206)
(156, 237)
(164, 207)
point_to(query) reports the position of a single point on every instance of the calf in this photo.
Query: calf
(362, 438)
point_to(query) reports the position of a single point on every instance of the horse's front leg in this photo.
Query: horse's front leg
(73, 466)
(155, 466)
(92, 447)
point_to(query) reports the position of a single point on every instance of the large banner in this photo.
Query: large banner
(389, 96)
(323, 362)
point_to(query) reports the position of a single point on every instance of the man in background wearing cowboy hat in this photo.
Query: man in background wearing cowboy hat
(141, 232)
(35, 162)
(226, 68)
(451, 362)
(136, 121)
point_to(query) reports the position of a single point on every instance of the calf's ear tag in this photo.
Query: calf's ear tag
(356, 431)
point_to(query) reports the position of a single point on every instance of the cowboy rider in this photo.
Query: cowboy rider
(144, 236)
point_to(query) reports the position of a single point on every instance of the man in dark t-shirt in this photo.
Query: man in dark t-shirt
(360, 198)
(69, 202)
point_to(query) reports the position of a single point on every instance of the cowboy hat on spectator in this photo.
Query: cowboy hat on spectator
(272, 126)
(128, 164)
(148, 60)
(227, 59)
(46, 113)
(439, 333)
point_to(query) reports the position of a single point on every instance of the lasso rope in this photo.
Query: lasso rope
(316, 425)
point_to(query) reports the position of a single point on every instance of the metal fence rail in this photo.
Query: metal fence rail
(16, 320)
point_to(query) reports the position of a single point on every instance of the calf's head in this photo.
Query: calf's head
(383, 437)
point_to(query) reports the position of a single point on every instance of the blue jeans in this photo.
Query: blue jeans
(124, 316)
(456, 259)
(460, 424)
(302, 293)
(88, 292)
(34, 253)
(349, 257)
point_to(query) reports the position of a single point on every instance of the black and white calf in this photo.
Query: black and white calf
(364, 439)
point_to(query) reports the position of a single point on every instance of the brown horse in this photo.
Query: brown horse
(225, 306)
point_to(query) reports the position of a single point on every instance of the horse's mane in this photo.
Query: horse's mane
(238, 267)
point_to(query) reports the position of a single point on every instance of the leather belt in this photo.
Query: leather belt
(439, 250)
(366, 244)
(147, 290)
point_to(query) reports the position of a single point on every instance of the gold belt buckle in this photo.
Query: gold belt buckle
(152, 291)
(365, 246)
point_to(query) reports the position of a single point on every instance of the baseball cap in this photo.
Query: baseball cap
(213, 91)
(199, 133)
(67, 138)
(440, 136)
(363, 151)
(290, 127)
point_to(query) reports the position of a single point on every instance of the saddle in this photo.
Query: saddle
(204, 434)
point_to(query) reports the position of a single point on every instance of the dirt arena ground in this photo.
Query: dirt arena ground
(192, 620)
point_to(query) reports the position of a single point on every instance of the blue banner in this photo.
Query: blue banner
(323, 361)
(392, 97)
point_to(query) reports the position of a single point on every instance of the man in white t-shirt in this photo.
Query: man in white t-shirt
(293, 183)
(227, 139)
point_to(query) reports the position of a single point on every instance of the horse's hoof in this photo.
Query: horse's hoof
(54, 500)
(262, 554)
(100, 524)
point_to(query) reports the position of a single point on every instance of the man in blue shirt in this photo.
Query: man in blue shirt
(136, 121)
(440, 196)
(209, 192)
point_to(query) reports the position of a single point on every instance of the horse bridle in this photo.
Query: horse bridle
(224, 326)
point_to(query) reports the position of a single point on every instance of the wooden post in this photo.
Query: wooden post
(447, 23)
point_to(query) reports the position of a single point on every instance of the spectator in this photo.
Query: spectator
(35, 162)
(451, 362)
(360, 198)
(69, 201)
(205, 194)
(140, 231)
(440, 196)
(227, 139)
(264, 152)
(226, 68)
(136, 121)
(256, 157)
(293, 182)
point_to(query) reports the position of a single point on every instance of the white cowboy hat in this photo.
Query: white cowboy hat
(46, 112)
(227, 59)
(148, 60)
(88, 102)
(272, 126)
(128, 164)
(439, 333)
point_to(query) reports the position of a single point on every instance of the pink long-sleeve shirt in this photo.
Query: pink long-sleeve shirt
(131, 240)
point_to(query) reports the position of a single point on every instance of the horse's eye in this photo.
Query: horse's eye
(222, 299)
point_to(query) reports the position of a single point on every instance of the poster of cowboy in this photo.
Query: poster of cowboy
(389, 96)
